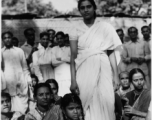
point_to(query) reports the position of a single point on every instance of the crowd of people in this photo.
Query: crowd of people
(90, 74)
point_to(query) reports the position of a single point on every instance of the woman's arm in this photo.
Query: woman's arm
(74, 86)
(113, 63)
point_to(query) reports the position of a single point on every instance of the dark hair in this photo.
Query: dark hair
(51, 30)
(15, 38)
(124, 72)
(39, 85)
(68, 98)
(28, 29)
(118, 30)
(132, 28)
(134, 71)
(66, 35)
(7, 32)
(43, 34)
(7, 95)
(91, 1)
(53, 81)
(36, 78)
(145, 27)
(60, 33)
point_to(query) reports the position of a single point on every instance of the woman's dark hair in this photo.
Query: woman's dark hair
(54, 82)
(68, 98)
(7, 32)
(60, 33)
(91, 1)
(134, 71)
(7, 95)
(34, 76)
(39, 85)
(43, 34)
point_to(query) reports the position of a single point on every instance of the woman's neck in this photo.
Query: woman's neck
(43, 109)
(89, 22)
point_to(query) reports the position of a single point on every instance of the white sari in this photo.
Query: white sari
(94, 72)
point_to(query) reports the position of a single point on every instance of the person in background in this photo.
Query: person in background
(60, 61)
(16, 73)
(118, 51)
(51, 37)
(146, 32)
(32, 101)
(42, 59)
(135, 54)
(72, 107)
(29, 34)
(125, 85)
(15, 41)
(137, 100)
(45, 109)
(55, 88)
(66, 40)
(6, 113)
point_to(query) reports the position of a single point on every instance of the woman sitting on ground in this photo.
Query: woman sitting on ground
(45, 109)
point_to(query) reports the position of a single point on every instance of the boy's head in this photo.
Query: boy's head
(124, 79)
(5, 102)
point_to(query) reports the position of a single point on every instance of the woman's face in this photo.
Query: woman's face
(87, 10)
(73, 111)
(138, 81)
(43, 96)
(54, 88)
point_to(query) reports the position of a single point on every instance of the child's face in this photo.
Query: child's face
(54, 89)
(73, 111)
(33, 82)
(5, 105)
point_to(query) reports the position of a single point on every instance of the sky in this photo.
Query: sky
(63, 5)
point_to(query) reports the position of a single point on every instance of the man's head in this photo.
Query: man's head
(146, 32)
(51, 34)
(60, 38)
(124, 80)
(133, 33)
(15, 41)
(120, 34)
(44, 37)
(5, 102)
(7, 39)
(30, 35)
(137, 77)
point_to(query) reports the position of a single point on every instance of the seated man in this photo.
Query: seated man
(138, 100)
(6, 113)
(125, 84)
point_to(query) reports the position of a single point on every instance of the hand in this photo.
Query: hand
(74, 88)
(129, 110)
(59, 59)
(141, 60)
(116, 83)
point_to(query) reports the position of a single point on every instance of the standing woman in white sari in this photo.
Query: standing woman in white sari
(42, 59)
(93, 63)
(61, 60)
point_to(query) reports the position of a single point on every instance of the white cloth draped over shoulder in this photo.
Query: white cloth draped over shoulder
(94, 73)
(62, 68)
(42, 63)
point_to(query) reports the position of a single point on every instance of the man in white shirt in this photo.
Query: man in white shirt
(16, 73)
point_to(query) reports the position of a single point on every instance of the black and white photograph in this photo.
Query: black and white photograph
(76, 60)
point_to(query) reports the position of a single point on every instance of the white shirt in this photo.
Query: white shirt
(15, 70)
